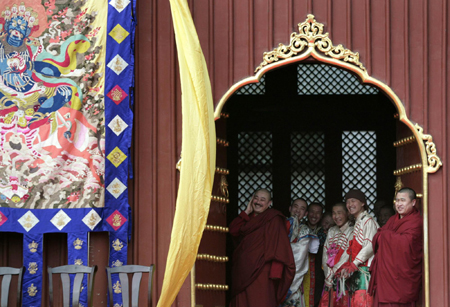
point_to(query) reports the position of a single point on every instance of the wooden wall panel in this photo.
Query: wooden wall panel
(402, 43)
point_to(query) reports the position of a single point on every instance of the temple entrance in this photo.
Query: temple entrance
(310, 131)
(312, 123)
(306, 130)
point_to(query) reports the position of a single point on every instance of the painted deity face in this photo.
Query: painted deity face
(355, 206)
(261, 202)
(404, 204)
(17, 29)
(340, 215)
(299, 209)
(314, 215)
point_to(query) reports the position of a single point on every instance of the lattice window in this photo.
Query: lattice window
(308, 166)
(321, 79)
(255, 165)
(258, 88)
(359, 164)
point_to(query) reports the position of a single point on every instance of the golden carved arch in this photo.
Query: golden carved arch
(311, 41)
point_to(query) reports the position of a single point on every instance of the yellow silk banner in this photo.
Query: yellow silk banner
(198, 155)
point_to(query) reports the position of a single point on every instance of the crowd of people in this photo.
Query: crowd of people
(345, 257)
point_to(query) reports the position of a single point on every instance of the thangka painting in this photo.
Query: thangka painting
(66, 87)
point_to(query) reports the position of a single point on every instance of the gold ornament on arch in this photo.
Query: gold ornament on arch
(310, 35)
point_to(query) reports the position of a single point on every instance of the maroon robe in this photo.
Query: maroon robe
(397, 266)
(263, 264)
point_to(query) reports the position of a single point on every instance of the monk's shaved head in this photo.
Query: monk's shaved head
(269, 194)
(411, 192)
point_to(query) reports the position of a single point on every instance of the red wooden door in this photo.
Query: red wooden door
(210, 268)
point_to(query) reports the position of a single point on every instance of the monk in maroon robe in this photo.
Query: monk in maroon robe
(397, 266)
(263, 264)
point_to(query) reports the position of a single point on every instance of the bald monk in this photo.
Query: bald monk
(263, 264)
(398, 246)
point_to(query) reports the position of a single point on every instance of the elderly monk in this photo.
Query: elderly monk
(263, 264)
(398, 246)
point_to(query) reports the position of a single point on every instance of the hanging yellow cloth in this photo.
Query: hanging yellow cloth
(198, 150)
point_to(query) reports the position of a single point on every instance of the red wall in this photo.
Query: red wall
(402, 43)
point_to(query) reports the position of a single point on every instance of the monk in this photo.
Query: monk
(397, 267)
(263, 264)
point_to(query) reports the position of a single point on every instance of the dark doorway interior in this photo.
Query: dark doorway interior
(311, 131)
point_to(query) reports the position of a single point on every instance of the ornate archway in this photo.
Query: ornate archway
(312, 42)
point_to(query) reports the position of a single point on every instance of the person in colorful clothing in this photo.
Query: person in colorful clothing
(302, 243)
(334, 256)
(314, 279)
(397, 266)
(263, 264)
(356, 271)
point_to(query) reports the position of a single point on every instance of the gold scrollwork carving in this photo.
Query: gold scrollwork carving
(216, 228)
(310, 35)
(434, 162)
(408, 169)
(398, 184)
(211, 287)
(405, 141)
(212, 258)
(224, 186)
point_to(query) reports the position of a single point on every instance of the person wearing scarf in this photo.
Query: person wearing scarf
(356, 270)
(397, 267)
(303, 242)
(263, 265)
(334, 256)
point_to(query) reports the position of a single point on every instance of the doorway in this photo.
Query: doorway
(310, 131)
